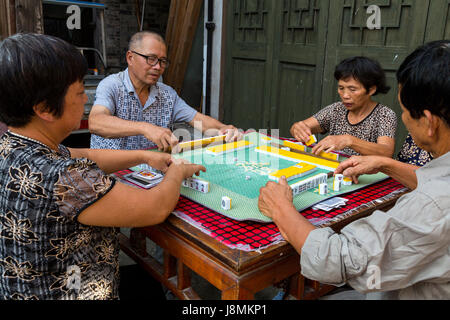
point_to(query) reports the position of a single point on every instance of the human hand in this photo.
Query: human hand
(162, 137)
(185, 168)
(358, 165)
(332, 143)
(301, 132)
(274, 197)
(231, 132)
(158, 160)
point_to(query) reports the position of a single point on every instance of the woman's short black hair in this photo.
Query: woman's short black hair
(36, 68)
(424, 78)
(365, 70)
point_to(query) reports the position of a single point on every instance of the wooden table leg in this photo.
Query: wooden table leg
(170, 265)
(184, 276)
(297, 286)
(237, 293)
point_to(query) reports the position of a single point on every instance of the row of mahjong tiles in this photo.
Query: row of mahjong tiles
(238, 170)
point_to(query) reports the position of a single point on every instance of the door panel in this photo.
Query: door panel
(249, 63)
(296, 98)
(248, 97)
(281, 54)
(299, 54)
(438, 27)
(403, 24)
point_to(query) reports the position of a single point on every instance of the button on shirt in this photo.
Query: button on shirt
(403, 253)
(162, 108)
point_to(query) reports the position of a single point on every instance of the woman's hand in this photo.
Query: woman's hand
(186, 169)
(158, 160)
(301, 131)
(332, 143)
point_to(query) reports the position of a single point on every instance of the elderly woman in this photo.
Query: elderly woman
(59, 208)
(403, 253)
(357, 124)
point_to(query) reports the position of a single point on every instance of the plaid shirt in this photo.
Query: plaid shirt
(163, 108)
(45, 253)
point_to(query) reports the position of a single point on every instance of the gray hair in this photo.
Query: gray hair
(136, 39)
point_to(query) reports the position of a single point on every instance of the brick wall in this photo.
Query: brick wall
(121, 23)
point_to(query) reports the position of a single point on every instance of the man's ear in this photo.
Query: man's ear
(432, 122)
(129, 57)
(42, 112)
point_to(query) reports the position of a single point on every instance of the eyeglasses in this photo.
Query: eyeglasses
(153, 60)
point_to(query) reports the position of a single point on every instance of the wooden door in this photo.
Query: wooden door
(275, 57)
(250, 33)
(403, 25)
(438, 27)
(281, 54)
(299, 50)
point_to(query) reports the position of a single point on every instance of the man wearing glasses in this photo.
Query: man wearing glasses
(132, 110)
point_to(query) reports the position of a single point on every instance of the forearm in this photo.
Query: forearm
(113, 127)
(112, 160)
(293, 226)
(204, 123)
(367, 148)
(126, 206)
(402, 172)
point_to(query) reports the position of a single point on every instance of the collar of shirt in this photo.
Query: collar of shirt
(152, 97)
(436, 168)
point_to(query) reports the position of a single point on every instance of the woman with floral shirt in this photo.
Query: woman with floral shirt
(356, 125)
(59, 208)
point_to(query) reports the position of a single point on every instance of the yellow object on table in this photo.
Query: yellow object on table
(293, 172)
(229, 147)
(323, 163)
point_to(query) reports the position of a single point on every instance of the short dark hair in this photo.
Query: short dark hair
(365, 70)
(424, 78)
(36, 68)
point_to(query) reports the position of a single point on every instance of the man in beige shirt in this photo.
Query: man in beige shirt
(405, 252)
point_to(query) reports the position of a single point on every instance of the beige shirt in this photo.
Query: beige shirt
(403, 253)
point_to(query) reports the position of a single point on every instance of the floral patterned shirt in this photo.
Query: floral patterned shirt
(382, 122)
(413, 154)
(45, 253)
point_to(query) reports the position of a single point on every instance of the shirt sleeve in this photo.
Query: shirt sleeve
(80, 184)
(402, 246)
(388, 123)
(324, 117)
(182, 112)
(105, 94)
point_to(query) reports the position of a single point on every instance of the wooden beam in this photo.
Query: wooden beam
(7, 18)
(12, 17)
(178, 12)
(29, 16)
(174, 5)
(4, 32)
(182, 25)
